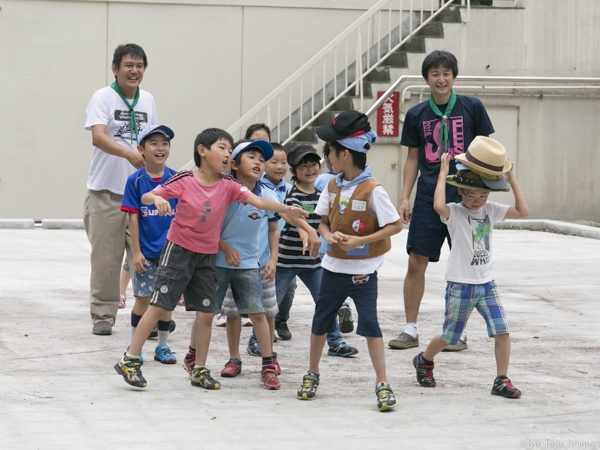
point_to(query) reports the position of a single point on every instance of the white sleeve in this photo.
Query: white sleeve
(323, 205)
(381, 207)
(497, 211)
(98, 110)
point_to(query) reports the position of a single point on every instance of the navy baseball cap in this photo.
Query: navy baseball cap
(162, 129)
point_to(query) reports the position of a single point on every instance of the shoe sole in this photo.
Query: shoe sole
(385, 407)
(506, 396)
(346, 323)
(455, 348)
(271, 388)
(304, 396)
(170, 361)
(402, 345)
(330, 353)
(212, 388)
(120, 372)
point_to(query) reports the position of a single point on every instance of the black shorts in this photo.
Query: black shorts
(182, 271)
(426, 233)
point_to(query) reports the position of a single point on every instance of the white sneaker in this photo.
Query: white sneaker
(246, 322)
(221, 320)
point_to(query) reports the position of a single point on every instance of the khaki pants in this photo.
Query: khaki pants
(105, 225)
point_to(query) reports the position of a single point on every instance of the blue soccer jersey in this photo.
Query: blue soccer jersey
(153, 228)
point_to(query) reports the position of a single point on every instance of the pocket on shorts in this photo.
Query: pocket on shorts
(164, 279)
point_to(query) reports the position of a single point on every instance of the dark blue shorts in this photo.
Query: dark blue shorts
(426, 233)
(335, 289)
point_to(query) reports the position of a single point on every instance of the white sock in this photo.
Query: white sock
(411, 328)
(133, 331)
(463, 335)
(162, 337)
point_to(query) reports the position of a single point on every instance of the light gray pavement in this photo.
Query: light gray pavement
(58, 388)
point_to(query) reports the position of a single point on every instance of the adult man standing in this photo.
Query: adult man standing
(116, 115)
(446, 123)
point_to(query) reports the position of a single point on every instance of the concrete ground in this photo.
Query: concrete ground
(58, 388)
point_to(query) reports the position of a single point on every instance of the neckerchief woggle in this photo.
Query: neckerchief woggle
(132, 121)
(443, 142)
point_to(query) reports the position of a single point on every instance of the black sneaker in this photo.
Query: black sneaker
(385, 397)
(504, 387)
(309, 386)
(283, 331)
(129, 369)
(154, 332)
(253, 348)
(346, 322)
(342, 349)
(424, 371)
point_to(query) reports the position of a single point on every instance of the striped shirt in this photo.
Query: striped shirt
(290, 245)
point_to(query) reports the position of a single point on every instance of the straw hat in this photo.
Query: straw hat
(486, 157)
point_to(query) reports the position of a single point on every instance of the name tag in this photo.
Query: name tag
(359, 205)
(331, 197)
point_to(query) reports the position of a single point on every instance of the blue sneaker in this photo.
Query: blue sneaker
(139, 356)
(253, 348)
(342, 349)
(163, 354)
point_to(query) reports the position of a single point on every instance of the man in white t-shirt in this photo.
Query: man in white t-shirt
(116, 115)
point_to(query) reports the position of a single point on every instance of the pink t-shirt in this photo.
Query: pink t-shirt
(200, 209)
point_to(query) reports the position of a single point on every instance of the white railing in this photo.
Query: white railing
(339, 67)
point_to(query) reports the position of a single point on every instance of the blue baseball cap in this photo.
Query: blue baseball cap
(263, 145)
(162, 129)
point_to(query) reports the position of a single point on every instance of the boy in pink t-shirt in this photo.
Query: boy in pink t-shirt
(187, 261)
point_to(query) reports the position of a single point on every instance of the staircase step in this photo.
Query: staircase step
(396, 59)
(449, 15)
(415, 45)
(432, 30)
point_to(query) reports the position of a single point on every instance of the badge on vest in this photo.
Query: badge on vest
(331, 197)
(359, 205)
(358, 226)
(361, 250)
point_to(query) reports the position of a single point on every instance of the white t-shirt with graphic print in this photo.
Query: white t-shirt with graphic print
(107, 171)
(470, 259)
(380, 207)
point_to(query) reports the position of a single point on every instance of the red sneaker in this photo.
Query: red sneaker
(276, 365)
(232, 368)
(269, 378)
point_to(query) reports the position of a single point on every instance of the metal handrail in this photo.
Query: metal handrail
(394, 86)
(339, 67)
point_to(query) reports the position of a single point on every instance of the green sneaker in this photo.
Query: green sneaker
(307, 391)
(129, 369)
(201, 378)
(385, 397)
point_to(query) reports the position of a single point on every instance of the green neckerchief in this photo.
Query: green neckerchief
(443, 142)
(132, 121)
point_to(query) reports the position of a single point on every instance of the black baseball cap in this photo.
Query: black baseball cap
(296, 154)
(347, 124)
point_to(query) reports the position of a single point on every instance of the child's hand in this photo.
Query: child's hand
(336, 238)
(509, 176)
(296, 213)
(444, 165)
(270, 269)
(232, 257)
(314, 245)
(350, 243)
(138, 263)
(162, 205)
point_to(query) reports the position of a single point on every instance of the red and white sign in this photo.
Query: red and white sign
(387, 116)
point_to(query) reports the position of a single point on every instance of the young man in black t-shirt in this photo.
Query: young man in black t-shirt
(446, 123)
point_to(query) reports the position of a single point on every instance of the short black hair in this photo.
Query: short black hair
(359, 159)
(207, 138)
(326, 149)
(133, 50)
(255, 127)
(277, 146)
(439, 58)
(306, 158)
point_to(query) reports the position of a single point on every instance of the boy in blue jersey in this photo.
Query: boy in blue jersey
(149, 229)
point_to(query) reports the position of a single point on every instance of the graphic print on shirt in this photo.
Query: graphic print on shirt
(456, 138)
(482, 228)
(147, 212)
(124, 130)
(256, 214)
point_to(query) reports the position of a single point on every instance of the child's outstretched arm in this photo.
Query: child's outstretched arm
(270, 205)
(310, 238)
(520, 209)
(162, 205)
(439, 197)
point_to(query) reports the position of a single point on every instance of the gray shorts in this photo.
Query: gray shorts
(182, 271)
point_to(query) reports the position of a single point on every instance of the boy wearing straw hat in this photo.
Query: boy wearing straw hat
(446, 123)
(469, 276)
